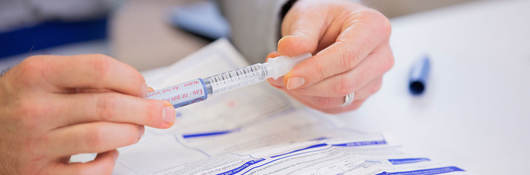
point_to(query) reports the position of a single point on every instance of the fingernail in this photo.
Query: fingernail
(295, 82)
(150, 89)
(168, 114)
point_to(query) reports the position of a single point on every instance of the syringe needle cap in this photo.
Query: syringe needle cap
(279, 66)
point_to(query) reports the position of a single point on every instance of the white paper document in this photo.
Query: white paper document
(257, 130)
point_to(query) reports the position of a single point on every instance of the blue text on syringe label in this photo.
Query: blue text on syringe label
(182, 94)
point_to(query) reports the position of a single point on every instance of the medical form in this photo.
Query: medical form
(257, 130)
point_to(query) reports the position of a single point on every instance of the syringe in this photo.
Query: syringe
(198, 90)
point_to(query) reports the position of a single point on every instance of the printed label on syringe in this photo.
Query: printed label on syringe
(182, 94)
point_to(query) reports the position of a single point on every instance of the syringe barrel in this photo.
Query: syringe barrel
(197, 90)
(241, 77)
(182, 94)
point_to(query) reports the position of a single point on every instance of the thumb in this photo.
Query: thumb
(301, 30)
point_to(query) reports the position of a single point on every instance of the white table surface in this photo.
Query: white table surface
(476, 109)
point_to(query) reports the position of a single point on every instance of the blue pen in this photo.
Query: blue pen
(419, 75)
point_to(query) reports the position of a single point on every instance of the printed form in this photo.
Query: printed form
(256, 130)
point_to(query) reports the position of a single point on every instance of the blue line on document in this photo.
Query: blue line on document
(319, 138)
(301, 149)
(279, 159)
(349, 144)
(361, 143)
(242, 167)
(408, 160)
(431, 171)
(206, 134)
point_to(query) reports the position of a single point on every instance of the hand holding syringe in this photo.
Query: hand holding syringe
(197, 90)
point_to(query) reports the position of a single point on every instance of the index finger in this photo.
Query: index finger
(367, 30)
(92, 71)
(112, 107)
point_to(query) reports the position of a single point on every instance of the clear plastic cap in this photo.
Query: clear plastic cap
(279, 66)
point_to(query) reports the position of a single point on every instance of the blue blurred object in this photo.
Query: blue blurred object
(419, 75)
(51, 34)
(201, 18)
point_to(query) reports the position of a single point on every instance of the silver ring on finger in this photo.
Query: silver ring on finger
(348, 99)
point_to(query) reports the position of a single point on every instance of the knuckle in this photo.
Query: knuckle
(387, 27)
(369, 14)
(30, 69)
(384, 26)
(384, 23)
(105, 106)
(349, 57)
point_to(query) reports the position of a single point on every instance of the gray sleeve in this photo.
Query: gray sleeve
(14, 13)
(255, 25)
(70, 9)
(19, 13)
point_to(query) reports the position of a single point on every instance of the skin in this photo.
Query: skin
(350, 44)
(52, 107)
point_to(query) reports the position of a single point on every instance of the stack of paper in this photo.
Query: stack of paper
(257, 130)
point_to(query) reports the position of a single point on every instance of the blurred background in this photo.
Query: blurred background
(138, 32)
